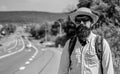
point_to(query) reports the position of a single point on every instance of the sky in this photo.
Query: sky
(37, 5)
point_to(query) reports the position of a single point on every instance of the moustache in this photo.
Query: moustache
(78, 30)
(83, 31)
(82, 28)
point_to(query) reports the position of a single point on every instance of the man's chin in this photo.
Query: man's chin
(83, 37)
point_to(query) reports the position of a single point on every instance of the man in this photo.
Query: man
(83, 58)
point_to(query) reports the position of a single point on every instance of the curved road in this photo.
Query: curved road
(13, 61)
(33, 59)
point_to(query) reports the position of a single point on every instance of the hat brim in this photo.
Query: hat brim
(93, 16)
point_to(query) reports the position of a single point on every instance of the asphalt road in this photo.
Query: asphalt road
(53, 66)
(11, 63)
(47, 63)
(31, 60)
(5, 49)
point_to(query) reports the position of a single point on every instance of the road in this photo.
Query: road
(11, 62)
(47, 63)
(18, 47)
(52, 67)
(31, 60)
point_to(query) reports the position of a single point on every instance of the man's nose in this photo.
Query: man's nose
(81, 22)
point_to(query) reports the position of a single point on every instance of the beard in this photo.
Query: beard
(83, 32)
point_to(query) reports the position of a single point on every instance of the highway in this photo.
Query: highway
(30, 59)
(47, 63)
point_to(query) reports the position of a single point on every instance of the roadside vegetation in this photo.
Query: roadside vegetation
(7, 29)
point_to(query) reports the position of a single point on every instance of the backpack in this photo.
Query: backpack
(98, 49)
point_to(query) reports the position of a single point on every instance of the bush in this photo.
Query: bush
(8, 29)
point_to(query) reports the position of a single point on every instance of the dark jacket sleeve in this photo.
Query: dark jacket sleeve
(64, 62)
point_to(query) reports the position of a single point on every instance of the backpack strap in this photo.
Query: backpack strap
(71, 48)
(99, 50)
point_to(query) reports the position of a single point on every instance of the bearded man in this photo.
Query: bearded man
(83, 59)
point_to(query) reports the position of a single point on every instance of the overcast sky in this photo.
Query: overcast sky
(36, 5)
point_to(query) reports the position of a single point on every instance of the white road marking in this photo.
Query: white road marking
(22, 68)
(30, 45)
(33, 57)
(27, 62)
(36, 51)
(14, 52)
(30, 59)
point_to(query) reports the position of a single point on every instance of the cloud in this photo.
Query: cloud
(3, 8)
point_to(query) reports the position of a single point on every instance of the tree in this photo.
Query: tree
(7, 29)
(85, 3)
(36, 31)
(55, 28)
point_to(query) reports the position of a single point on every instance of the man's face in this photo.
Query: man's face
(83, 20)
(83, 24)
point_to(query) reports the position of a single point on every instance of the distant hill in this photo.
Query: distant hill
(29, 16)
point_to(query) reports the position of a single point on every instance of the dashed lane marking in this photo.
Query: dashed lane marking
(14, 52)
(30, 59)
(33, 57)
(27, 62)
(22, 68)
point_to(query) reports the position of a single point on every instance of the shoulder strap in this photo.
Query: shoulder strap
(99, 49)
(71, 48)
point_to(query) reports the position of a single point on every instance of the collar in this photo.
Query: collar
(90, 36)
